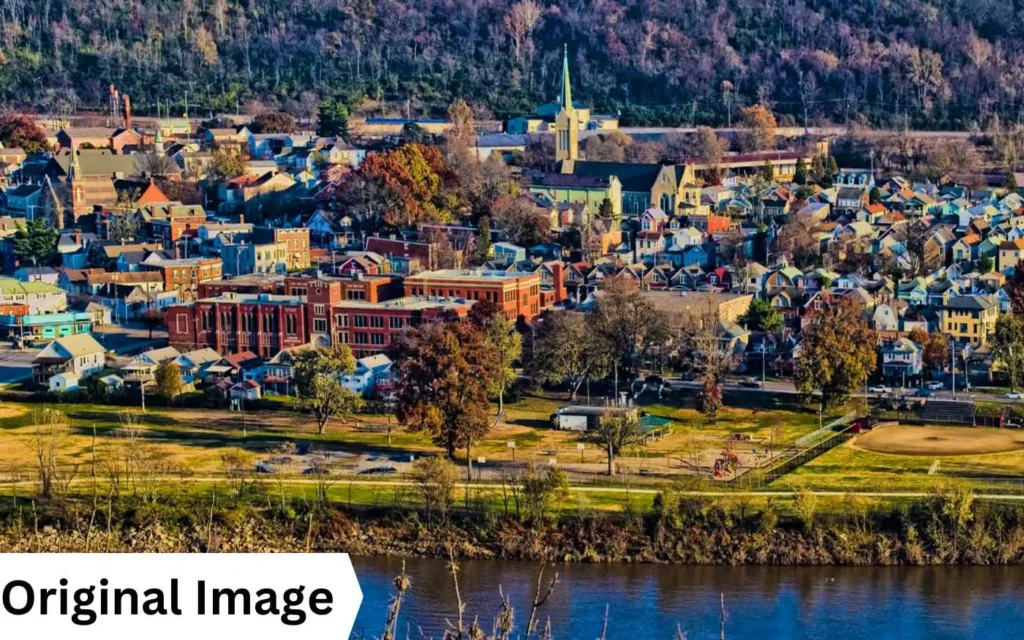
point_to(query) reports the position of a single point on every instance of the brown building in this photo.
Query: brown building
(185, 275)
(517, 294)
(365, 288)
(297, 241)
(235, 322)
(369, 328)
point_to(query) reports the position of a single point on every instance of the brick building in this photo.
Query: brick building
(185, 275)
(369, 328)
(517, 294)
(297, 241)
(357, 287)
(262, 323)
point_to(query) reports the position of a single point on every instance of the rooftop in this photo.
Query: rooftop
(465, 275)
(409, 303)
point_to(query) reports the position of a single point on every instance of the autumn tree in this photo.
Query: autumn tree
(500, 333)
(444, 374)
(168, 380)
(567, 349)
(524, 225)
(18, 130)
(316, 372)
(1008, 346)
(837, 352)
(226, 163)
(274, 122)
(615, 432)
(701, 351)
(759, 125)
(411, 181)
(1015, 289)
(635, 329)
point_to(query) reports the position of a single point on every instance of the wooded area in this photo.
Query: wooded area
(922, 64)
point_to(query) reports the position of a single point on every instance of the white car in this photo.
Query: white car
(936, 385)
(879, 389)
(1015, 395)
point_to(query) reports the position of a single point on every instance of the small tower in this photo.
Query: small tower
(567, 128)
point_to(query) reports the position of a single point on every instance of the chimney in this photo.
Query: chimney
(556, 274)
(127, 111)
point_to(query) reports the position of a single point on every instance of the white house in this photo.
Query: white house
(64, 382)
(194, 363)
(79, 354)
(370, 372)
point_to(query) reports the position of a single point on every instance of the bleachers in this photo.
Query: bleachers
(948, 411)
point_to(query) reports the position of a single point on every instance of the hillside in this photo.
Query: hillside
(928, 64)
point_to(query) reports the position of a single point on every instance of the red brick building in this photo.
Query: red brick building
(517, 294)
(369, 328)
(185, 276)
(234, 322)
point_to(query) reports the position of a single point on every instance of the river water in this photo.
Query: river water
(649, 601)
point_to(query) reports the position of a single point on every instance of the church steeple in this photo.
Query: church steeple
(566, 85)
(567, 126)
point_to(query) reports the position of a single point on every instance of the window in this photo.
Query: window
(318, 309)
(395, 323)
(361, 338)
(341, 320)
(377, 322)
(181, 323)
(360, 321)
(377, 338)
(963, 327)
(319, 325)
(290, 325)
(356, 294)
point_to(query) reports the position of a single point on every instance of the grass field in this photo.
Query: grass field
(908, 458)
(198, 439)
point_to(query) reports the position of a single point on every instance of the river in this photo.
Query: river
(649, 601)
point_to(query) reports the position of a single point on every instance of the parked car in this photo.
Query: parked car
(1013, 395)
(880, 388)
(923, 393)
(750, 383)
(936, 385)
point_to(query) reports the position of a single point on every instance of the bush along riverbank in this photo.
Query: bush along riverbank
(949, 527)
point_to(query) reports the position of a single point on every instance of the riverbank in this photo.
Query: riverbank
(947, 528)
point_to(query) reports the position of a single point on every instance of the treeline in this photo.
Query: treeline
(922, 63)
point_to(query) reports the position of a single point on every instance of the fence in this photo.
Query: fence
(817, 442)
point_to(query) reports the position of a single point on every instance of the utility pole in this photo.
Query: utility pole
(142, 392)
(952, 364)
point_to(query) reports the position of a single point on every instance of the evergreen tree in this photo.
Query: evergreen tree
(800, 175)
(768, 171)
(817, 169)
(607, 209)
(484, 243)
(1011, 182)
(35, 242)
(875, 195)
(333, 119)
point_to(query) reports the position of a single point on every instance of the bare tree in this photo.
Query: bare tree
(520, 22)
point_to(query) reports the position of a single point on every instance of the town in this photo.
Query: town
(564, 293)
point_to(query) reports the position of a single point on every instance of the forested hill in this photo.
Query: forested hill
(943, 63)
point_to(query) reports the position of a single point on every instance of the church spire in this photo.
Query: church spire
(566, 85)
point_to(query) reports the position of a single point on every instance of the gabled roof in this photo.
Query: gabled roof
(75, 346)
(634, 177)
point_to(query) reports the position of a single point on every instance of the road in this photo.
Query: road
(787, 387)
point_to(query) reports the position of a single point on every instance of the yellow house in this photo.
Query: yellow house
(1010, 252)
(970, 319)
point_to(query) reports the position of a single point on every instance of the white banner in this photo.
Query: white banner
(177, 596)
